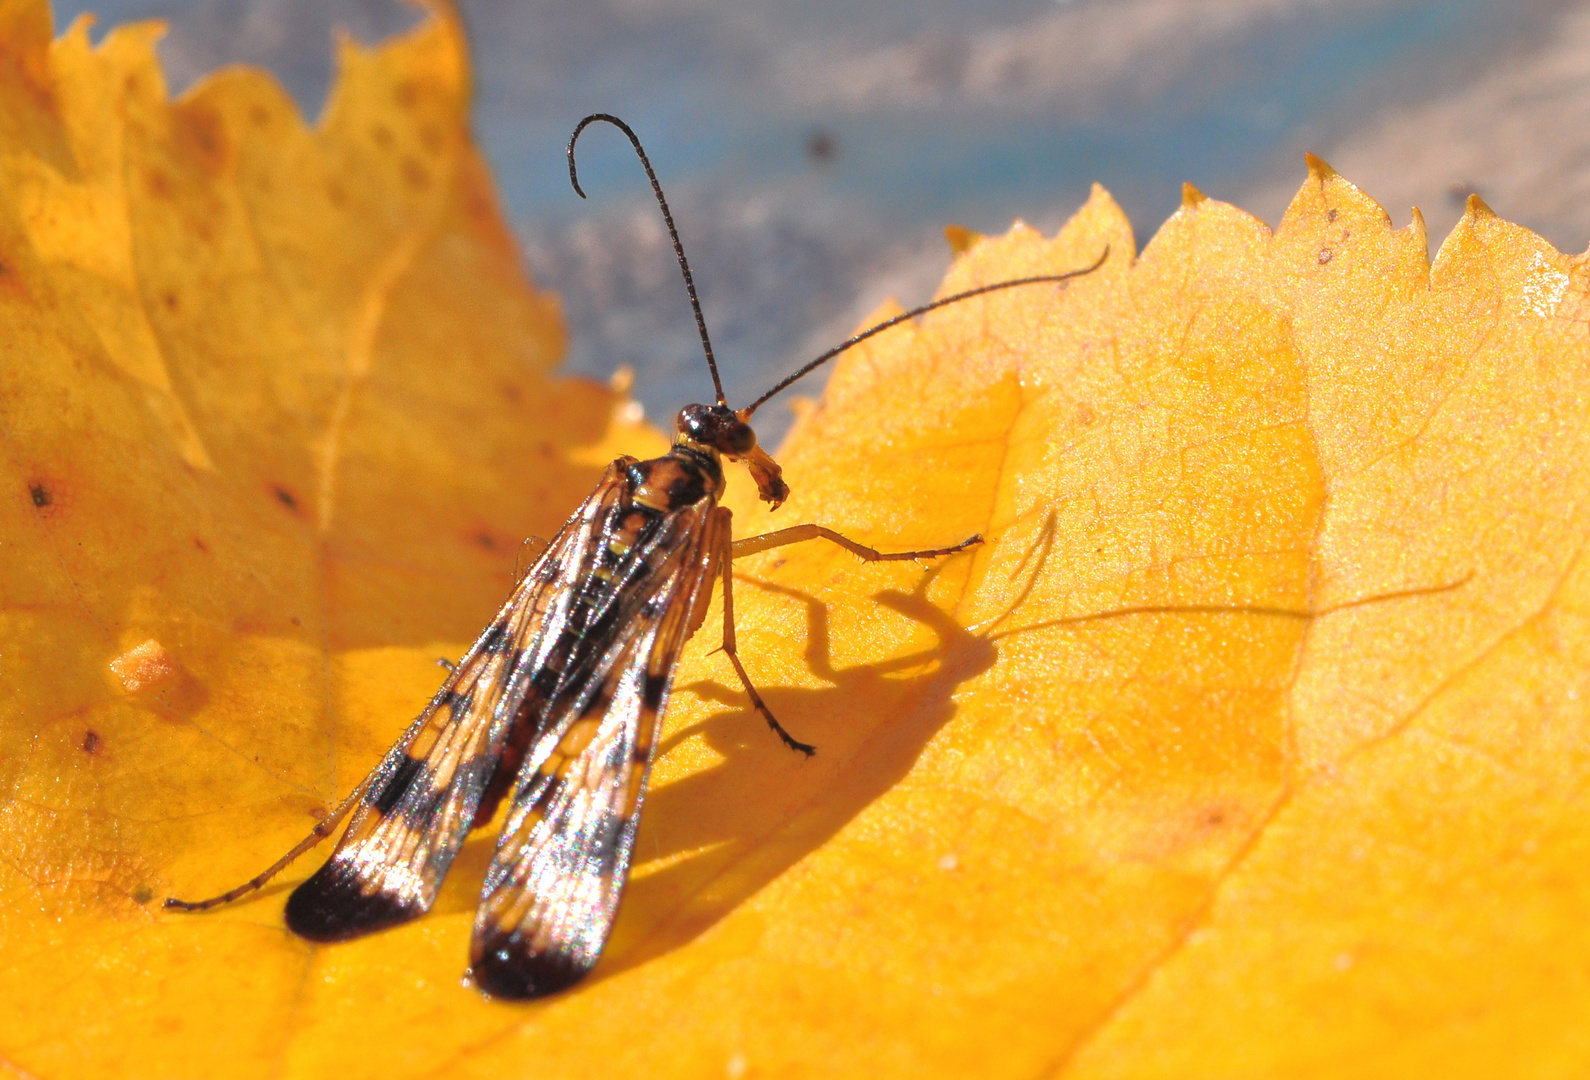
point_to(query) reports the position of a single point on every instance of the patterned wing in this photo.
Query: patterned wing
(554, 885)
(426, 794)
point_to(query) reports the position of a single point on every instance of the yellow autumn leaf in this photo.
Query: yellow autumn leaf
(1250, 743)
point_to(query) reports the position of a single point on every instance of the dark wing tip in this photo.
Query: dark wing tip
(505, 970)
(330, 906)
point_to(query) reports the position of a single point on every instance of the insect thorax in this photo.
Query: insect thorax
(683, 477)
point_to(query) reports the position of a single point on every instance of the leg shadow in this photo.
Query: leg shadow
(711, 840)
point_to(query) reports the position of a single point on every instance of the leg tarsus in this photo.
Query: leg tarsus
(767, 714)
(323, 828)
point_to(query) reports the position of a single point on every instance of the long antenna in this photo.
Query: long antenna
(807, 369)
(668, 219)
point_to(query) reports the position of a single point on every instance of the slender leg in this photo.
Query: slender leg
(734, 549)
(323, 828)
(733, 653)
(753, 544)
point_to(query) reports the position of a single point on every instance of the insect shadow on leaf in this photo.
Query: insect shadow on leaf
(709, 831)
(1037, 553)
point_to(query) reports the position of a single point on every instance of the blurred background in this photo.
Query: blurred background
(814, 149)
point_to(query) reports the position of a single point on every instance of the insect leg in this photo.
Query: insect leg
(799, 533)
(724, 556)
(323, 828)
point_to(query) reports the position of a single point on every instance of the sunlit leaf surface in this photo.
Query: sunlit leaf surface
(1251, 743)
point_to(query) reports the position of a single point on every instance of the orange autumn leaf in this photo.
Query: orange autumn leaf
(1251, 742)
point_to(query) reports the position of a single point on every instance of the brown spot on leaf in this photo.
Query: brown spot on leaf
(417, 175)
(1325, 256)
(202, 133)
(1086, 415)
(201, 545)
(252, 623)
(91, 742)
(285, 497)
(49, 495)
(10, 281)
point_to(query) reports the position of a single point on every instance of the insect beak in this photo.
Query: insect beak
(768, 476)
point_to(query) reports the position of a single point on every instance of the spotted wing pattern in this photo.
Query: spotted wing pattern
(429, 790)
(554, 884)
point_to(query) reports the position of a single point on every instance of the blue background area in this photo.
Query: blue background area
(933, 111)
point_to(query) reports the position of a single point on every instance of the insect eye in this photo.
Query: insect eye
(690, 422)
(739, 439)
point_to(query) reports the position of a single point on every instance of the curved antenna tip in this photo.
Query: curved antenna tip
(668, 220)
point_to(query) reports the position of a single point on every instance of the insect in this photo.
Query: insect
(557, 704)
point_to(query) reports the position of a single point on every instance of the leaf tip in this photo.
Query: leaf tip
(1416, 227)
(1101, 219)
(1191, 196)
(80, 26)
(1318, 168)
(1477, 207)
(960, 238)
